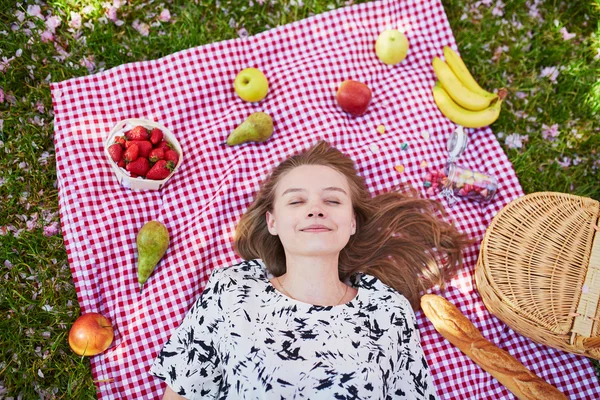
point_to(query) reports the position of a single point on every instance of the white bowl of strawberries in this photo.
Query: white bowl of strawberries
(143, 154)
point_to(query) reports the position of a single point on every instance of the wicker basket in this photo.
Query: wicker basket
(539, 270)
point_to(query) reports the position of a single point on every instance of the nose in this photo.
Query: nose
(315, 210)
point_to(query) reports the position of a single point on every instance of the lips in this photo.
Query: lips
(316, 228)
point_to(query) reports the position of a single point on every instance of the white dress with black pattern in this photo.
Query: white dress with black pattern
(243, 339)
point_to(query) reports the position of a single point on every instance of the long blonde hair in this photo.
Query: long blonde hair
(399, 239)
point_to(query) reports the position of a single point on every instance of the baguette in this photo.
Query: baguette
(459, 331)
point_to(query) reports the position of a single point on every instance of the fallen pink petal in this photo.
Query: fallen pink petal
(550, 132)
(52, 23)
(47, 36)
(75, 21)
(550, 72)
(141, 27)
(51, 230)
(111, 14)
(566, 35)
(165, 15)
(515, 141)
(35, 11)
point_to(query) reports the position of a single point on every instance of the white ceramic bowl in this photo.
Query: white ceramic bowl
(123, 175)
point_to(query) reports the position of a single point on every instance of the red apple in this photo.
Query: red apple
(354, 97)
(91, 334)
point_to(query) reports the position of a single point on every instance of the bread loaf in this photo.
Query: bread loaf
(459, 331)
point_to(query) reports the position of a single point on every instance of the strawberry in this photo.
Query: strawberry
(163, 144)
(160, 170)
(120, 140)
(139, 167)
(157, 154)
(156, 136)
(116, 152)
(121, 164)
(171, 155)
(144, 146)
(137, 133)
(131, 153)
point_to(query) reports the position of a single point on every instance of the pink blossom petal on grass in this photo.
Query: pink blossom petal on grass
(4, 62)
(566, 35)
(51, 229)
(243, 33)
(111, 14)
(141, 27)
(521, 95)
(35, 11)
(550, 72)
(88, 10)
(550, 132)
(498, 10)
(515, 141)
(1, 95)
(89, 63)
(165, 15)
(20, 15)
(52, 23)
(47, 36)
(565, 162)
(75, 21)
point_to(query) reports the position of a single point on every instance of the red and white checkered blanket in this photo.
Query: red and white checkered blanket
(192, 93)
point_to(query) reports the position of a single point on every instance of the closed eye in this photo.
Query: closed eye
(328, 201)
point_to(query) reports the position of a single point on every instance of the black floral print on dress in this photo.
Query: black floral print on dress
(243, 339)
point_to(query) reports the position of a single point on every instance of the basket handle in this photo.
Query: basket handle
(591, 343)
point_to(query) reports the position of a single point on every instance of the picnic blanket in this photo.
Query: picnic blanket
(191, 92)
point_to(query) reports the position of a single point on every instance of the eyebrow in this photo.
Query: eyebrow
(331, 188)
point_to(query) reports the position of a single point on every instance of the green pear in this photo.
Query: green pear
(258, 127)
(152, 242)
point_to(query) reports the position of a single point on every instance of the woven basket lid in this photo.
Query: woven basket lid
(539, 263)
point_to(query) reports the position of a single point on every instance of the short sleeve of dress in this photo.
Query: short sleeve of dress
(414, 380)
(189, 362)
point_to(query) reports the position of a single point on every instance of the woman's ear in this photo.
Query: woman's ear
(353, 226)
(271, 224)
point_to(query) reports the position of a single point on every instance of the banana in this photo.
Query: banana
(464, 117)
(457, 65)
(457, 90)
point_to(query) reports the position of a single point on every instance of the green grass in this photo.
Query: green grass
(38, 302)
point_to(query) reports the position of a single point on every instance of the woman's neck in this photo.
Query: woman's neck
(314, 280)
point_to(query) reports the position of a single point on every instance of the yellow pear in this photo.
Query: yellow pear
(258, 127)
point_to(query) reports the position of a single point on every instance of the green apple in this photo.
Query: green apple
(251, 84)
(391, 46)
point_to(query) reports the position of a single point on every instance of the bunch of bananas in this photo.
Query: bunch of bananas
(459, 97)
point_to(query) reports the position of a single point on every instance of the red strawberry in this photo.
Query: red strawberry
(171, 155)
(131, 153)
(137, 133)
(157, 154)
(160, 170)
(116, 152)
(163, 145)
(120, 140)
(156, 136)
(121, 164)
(139, 167)
(144, 146)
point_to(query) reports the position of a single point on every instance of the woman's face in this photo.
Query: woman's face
(312, 195)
